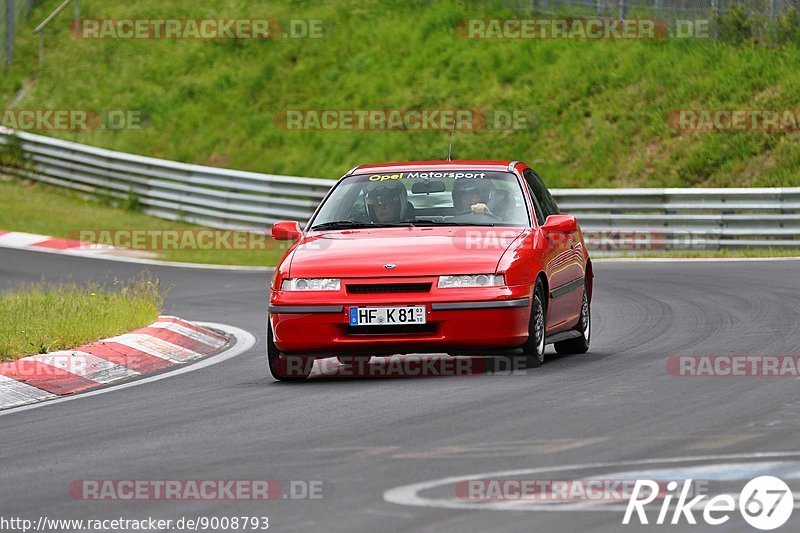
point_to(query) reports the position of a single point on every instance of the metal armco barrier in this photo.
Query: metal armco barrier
(211, 196)
(614, 220)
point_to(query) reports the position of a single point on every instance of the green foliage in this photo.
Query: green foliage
(12, 153)
(735, 25)
(132, 203)
(787, 27)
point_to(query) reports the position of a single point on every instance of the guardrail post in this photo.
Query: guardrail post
(623, 9)
(41, 50)
(40, 28)
(715, 17)
(10, 20)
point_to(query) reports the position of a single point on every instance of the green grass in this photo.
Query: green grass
(601, 107)
(46, 210)
(41, 318)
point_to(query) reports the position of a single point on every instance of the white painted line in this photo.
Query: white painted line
(213, 342)
(86, 366)
(14, 393)
(244, 341)
(409, 494)
(157, 347)
(92, 248)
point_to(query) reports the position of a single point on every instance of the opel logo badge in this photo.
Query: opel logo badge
(390, 266)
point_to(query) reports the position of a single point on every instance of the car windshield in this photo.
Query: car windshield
(447, 198)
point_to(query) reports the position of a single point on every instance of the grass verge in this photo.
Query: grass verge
(40, 208)
(42, 318)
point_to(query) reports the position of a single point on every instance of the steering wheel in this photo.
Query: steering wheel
(469, 212)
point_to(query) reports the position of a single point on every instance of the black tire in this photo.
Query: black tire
(286, 367)
(533, 349)
(580, 344)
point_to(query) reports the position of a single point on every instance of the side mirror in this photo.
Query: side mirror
(560, 224)
(286, 231)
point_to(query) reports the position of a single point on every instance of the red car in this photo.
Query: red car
(456, 257)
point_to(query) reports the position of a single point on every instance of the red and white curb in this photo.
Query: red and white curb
(43, 243)
(168, 342)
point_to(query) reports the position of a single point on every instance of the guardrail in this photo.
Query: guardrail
(204, 195)
(613, 219)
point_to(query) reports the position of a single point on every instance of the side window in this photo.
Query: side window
(544, 197)
(539, 215)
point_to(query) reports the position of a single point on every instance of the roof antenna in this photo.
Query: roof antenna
(452, 134)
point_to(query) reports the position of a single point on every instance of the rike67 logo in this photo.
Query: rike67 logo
(765, 503)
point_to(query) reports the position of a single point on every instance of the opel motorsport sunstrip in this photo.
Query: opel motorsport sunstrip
(456, 257)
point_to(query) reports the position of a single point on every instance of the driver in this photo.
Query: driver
(471, 196)
(386, 202)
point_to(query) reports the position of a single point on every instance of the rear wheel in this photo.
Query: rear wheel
(580, 344)
(286, 367)
(533, 349)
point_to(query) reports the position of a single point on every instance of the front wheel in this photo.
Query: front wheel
(286, 367)
(580, 344)
(533, 349)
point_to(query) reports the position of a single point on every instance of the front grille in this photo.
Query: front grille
(379, 288)
(393, 329)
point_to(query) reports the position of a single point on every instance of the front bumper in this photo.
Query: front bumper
(472, 319)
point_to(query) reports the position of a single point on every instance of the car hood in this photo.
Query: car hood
(414, 251)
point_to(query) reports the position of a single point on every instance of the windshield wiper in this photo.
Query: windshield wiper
(341, 224)
(449, 223)
(349, 224)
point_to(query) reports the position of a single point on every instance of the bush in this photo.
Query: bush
(786, 28)
(735, 25)
(12, 154)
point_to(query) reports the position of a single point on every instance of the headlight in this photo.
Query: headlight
(311, 284)
(474, 280)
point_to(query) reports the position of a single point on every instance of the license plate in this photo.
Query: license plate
(386, 316)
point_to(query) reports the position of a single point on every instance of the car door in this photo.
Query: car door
(563, 262)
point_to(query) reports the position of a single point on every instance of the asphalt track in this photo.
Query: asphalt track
(363, 437)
